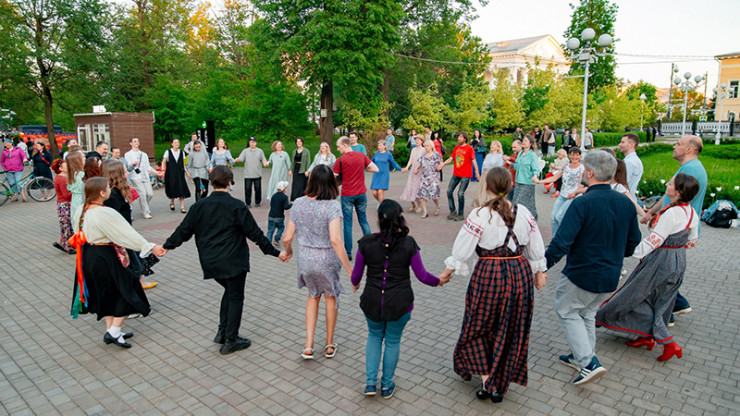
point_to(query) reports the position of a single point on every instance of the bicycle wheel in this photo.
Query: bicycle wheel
(41, 189)
(5, 193)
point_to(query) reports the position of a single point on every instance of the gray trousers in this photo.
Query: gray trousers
(576, 309)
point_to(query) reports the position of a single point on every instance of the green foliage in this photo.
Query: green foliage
(505, 110)
(401, 153)
(613, 139)
(650, 107)
(470, 108)
(427, 109)
(613, 110)
(599, 15)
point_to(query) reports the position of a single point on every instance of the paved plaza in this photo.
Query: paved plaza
(51, 364)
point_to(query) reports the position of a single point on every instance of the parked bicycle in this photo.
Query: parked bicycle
(39, 188)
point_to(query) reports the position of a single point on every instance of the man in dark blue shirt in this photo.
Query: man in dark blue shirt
(598, 231)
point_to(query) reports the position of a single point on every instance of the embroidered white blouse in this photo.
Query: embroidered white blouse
(486, 228)
(672, 221)
(105, 225)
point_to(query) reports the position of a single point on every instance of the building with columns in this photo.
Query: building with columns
(514, 55)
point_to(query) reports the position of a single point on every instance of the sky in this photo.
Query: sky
(667, 31)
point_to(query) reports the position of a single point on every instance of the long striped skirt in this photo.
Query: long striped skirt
(494, 339)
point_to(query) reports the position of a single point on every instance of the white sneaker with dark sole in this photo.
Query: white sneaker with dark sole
(682, 311)
(590, 373)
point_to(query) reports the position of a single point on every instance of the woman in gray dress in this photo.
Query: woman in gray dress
(315, 221)
(199, 163)
(643, 306)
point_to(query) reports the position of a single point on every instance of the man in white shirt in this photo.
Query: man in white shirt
(22, 145)
(390, 140)
(139, 176)
(634, 164)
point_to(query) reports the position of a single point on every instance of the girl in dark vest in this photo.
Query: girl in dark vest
(387, 300)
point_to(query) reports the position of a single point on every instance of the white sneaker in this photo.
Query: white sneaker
(148, 216)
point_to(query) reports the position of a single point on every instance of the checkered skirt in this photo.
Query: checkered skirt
(494, 339)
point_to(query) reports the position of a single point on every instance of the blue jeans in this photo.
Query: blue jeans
(460, 193)
(272, 225)
(359, 203)
(391, 331)
(558, 212)
(681, 303)
(14, 179)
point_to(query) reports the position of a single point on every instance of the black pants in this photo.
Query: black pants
(200, 193)
(255, 183)
(232, 304)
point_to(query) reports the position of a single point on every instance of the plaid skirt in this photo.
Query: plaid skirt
(494, 339)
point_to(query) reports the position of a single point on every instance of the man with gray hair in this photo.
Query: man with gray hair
(598, 231)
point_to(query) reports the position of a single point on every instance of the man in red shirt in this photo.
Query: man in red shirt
(352, 166)
(463, 156)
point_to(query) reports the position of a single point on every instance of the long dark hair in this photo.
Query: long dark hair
(322, 184)
(498, 182)
(392, 224)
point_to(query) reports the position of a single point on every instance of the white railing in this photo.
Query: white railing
(674, 127)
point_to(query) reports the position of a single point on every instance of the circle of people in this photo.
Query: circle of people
(594, 225)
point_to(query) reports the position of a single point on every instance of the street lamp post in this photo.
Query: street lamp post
(642, 108)
(587, 54)
(686, 87)
(721, 94)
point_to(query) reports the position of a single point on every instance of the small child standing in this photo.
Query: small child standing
(276, 218)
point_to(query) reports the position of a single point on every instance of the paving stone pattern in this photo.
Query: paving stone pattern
(52, 364)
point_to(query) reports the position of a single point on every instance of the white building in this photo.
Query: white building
(514, 55)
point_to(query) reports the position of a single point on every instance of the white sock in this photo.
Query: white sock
(115, 331)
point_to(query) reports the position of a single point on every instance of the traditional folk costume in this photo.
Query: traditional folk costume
(498, 306)
(105, 284)
(643, 305)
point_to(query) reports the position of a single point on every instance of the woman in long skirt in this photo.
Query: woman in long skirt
(63, 199)
(105, 284)
(526, 168)
(381, 179)
(280, 162)
(643, 305)
(494, 338)
(414, 180)
(175, 185)
(429, 185)
(479, 145)
(301, 159)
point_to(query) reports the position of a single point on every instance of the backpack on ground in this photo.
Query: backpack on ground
(720, 214)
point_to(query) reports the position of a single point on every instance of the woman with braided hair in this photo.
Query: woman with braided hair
(494, 338)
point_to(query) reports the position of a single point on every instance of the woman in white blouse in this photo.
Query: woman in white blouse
(324, 157)
(112, 290)
(494, 338)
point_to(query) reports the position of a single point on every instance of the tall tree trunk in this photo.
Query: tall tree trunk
(326, 121)
(50, 121)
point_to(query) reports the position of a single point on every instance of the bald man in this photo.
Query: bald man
(686, 151)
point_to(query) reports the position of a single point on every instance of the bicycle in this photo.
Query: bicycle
(36, 187)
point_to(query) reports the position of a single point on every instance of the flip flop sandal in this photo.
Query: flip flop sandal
(308, 356)
(333, 353)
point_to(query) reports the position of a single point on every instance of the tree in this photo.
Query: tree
(332, 42)
(470, 108)
(505, 110)
(50, 44)
(614, 111)
(427, 109)
(599, 15)
(650, 106)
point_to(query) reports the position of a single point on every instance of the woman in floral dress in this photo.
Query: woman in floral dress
(429, 186)
(414, 181)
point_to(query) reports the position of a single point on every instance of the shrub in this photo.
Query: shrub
(613, 139)
(401, 154)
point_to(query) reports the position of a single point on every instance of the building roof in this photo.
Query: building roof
(728, 55)
(514, 44)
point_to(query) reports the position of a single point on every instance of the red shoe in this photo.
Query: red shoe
(555, 195)
(669, 350)
(642, 342)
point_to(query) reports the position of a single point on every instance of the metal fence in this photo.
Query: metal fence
(702, 127)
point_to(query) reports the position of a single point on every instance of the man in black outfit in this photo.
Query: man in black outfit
(220, 224)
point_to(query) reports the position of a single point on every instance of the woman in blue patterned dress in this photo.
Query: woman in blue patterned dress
(315, 221)
(381, 179)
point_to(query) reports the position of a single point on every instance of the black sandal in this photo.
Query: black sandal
(172, 207)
